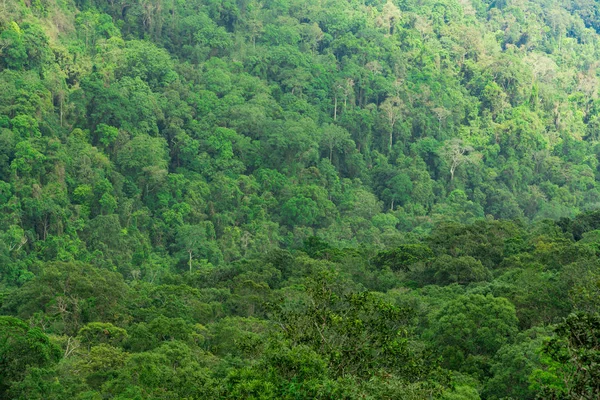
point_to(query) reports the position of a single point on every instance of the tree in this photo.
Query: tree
(441, 114)
(96, 333)
(28, 161)
(94, 26)
(572, 370)
(389, 17)
(403, 257)
(12, 47)
(335, 137)
(462, 270)
(106, 135)
(69, 295)
(470, 329)
(145, 158)
(21, 348)
(355, 332)
(173, 370)
(456, 153)
(197, 240)
(148, 62)
(398, 190)
(513, 364)
(392, 108)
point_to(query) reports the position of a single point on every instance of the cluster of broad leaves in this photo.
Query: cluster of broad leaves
(299, 199)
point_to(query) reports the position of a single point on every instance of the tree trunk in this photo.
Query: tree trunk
(61, 111)
(335, 108)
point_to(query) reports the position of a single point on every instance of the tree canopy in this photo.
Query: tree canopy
(286, 199)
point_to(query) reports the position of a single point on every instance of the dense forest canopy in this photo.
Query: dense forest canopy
(300, 199)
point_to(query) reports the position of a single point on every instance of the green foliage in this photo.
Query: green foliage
(70, 294)
(21, 348)
(571, 370)
(291, 199)
(463, 270)
(402, 257)
(472, 328)
(356, 333)
(96, 333)
(513, 364)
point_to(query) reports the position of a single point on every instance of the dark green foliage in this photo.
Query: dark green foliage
(22, 348)
(463, 270)
(486, 241)
(471, 329)
(356, 333)
(513, 364)
(581, 224)
(96, 333)
(70, 295)
(331, 199)
(574, 354)
(402, 257)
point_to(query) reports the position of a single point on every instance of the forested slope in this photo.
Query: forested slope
(299, 199)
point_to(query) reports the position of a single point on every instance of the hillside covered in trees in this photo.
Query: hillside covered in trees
(299, 199)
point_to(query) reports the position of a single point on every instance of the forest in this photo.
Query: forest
(299, 199)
